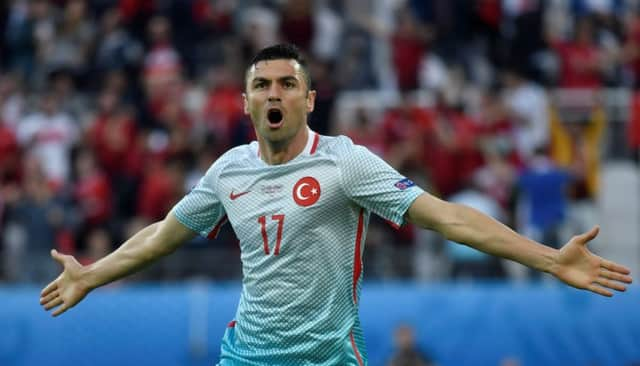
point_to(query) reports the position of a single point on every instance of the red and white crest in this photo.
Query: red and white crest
(306, 191)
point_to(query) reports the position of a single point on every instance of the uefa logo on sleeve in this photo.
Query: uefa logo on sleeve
(306, 191)
(404, 184)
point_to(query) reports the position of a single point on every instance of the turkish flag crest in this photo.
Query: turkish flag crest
(306, 191)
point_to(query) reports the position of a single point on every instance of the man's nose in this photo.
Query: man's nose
(274, 93)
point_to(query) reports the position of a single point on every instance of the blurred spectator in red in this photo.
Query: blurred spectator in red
(633, 134)
(92, 191)
(365, 132)
(49, 135)
(402, 128)
(406, 352)
(409, 44)
(450, 152)
(297, 23)
(497, 141)
(581, 61)
(223, 109)
(113, 137)
(9, 156)
(161, 188)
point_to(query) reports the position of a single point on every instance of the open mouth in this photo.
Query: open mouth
(274, 116)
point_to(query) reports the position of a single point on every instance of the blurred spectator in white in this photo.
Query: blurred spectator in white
(528, 109)
(406, 352)
(49, 134)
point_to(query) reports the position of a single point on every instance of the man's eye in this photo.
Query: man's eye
(259, 85)
(289, 85)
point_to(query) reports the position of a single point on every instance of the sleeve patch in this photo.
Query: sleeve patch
(404, 184)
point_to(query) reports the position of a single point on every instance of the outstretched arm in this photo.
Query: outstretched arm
(573, 264)
(146, 246)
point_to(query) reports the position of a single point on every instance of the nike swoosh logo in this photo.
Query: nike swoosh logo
(236, 195)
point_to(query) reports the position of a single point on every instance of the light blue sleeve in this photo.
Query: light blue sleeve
(201, 209)
(375, 185)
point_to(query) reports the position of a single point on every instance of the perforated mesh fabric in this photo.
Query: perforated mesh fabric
(301, 227)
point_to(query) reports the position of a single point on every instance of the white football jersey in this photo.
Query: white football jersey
(301, 227)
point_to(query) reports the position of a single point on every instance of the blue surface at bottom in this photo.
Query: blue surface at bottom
(183, 324)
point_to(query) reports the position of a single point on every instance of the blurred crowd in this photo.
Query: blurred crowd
(111, 110)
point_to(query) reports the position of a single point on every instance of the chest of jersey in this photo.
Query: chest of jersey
(272, 207)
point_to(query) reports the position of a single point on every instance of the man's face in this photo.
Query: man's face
(277, 99)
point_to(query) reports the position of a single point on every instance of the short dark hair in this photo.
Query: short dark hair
(284, 51)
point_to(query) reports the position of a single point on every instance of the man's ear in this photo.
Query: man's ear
(245, 103)
(311, 101)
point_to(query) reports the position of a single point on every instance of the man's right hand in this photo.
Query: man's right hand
(66, 290)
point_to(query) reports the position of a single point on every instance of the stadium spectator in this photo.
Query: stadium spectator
(49, 135)
(406, 351)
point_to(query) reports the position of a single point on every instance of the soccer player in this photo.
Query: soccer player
(300, 205)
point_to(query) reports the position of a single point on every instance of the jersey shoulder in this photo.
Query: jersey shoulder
(239, 156)
(337, 146)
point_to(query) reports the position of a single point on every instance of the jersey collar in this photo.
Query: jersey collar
(310, 148)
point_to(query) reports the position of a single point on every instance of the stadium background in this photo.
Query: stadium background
(110, 110)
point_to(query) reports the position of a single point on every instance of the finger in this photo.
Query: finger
(614, 275)
(584, 238)
(599, 290)
(60, 310)
(46, 299)
(610, 284)
(50, 287)
(57, 256)
(615, 267)
(53, 303)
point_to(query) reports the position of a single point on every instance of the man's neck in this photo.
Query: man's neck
(276, 153)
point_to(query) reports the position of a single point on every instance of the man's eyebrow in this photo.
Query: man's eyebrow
(283, 78)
